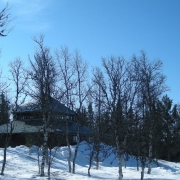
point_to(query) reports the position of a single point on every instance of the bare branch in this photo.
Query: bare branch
(5, 19)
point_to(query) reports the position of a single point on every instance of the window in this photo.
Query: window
(90, 139)
(74, 138)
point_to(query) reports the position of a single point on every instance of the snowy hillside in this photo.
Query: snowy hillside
(22, 165)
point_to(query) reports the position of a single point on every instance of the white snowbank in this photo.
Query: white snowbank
(22, 165)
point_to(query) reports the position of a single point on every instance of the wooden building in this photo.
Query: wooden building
(28, 126)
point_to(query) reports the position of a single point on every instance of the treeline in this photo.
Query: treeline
(128, 102)
(122, 102)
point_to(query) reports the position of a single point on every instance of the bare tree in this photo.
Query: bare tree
(42, 87)
(113, 91)
(66, 87)
(3, 85)
(152, 86)
(19, 80)
(52, 154)
(81, 93)
(95, 122)
(90, 118)
(119, 92)
(98, 127)
(4, 22)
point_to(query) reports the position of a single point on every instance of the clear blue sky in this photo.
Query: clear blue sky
(99, 28)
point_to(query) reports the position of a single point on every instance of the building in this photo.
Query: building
(27, 128)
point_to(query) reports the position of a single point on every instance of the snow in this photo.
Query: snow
(22, 164)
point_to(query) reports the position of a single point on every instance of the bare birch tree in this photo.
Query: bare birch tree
(119, 88)
(66, 87)
(19, 79)
(42, 87)
(151, 88)
(81, 93)
(99, 126)
(112, 87)
(5, 20)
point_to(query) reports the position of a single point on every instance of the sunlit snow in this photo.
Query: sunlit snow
(22, 164)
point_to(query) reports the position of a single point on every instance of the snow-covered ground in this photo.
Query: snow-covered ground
(22, 164)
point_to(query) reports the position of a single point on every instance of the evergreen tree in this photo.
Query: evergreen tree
(167, 124)
(4, 110)
(5, 119)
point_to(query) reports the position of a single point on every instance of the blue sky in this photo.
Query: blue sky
(98, 28)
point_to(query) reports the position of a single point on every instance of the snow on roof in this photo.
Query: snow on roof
(22, 127)
(19, 127)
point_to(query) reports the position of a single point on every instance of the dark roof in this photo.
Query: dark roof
(56, 106)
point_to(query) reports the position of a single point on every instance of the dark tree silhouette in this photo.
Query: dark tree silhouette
(5, 19)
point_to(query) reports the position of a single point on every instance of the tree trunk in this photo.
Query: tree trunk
(8, 136)
(149, 166)
(39, 166)
(69, 147)
(4, 161)
(137, 163)
(97, 160)
(76, 149)
(49, 166)
(120, 159)
(97, 154)
(150, 154)
(124, 163)
(90, 162)
(47, 159)
(143, 167)
(44, 150)
(120, 156)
